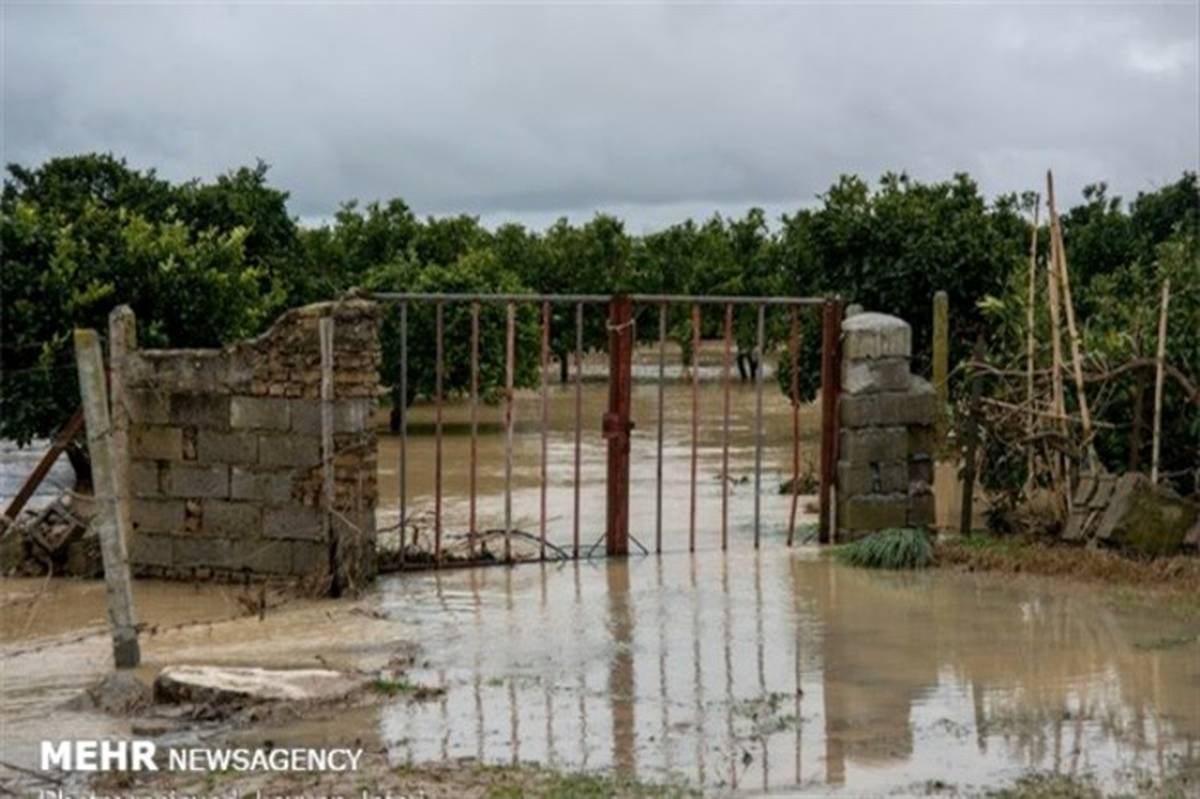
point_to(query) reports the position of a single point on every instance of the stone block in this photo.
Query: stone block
(186, 480)
(920, 469)
(309, 558)
(195, 552)
(151, 550)
(874, 375)
(156, 443)
(148, 407)
(259, 413)
(873, 445)
(273, 487)
(876, 335)
(873, 512)
(157, 515)
(217, 447)
(350, 415)
(230, 519)
(289, 450)
(210, 411)
(922, 442)
(143, 479)
(294, 521)
(921, 508)
(874, 478)
(1146, 519)
(263, 556)
(890, 408)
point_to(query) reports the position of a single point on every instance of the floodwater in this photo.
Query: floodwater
(745, 670)
(560, 495)
(750, 670)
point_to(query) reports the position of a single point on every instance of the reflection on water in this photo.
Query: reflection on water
(783, 669)
(770, 669)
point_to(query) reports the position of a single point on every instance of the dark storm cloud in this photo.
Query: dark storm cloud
(650, 111)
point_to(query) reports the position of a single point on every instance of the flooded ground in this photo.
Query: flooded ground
(741, 670)
(776, 669)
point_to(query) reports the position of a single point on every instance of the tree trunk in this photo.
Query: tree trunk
(564, 366)
(78, 457)
(394, 417)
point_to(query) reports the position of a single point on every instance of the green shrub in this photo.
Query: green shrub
(889, 549)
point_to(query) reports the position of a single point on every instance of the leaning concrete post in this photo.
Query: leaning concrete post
(327, 488)
(122, 338)
(110, 521)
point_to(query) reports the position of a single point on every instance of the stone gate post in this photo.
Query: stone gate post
(885, 453)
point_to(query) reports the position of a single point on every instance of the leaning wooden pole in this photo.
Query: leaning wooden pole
(110, 522)
(1159, 363)
(1031, 337)
(1058, 401)
(1072, 331)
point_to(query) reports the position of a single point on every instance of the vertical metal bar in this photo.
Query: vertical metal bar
(578, 420)
(403, 428)
(725, 383)
(437, 425)
(658, 468)
(695, 423)
(761, 358)
(617, 424)
(794, 393)
(472, 530)
(510, 344)
(545, 426)
(831, 323)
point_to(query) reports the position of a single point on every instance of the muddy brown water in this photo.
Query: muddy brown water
(775, 669)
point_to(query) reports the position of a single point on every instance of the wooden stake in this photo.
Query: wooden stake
(1158, 379)
(1076, 359)
(941, 363)
(109, 522)
(1031, 334)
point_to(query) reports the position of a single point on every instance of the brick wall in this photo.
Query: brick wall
(224, 448)
(885, 453)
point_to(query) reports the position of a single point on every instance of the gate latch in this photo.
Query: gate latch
(612, 427)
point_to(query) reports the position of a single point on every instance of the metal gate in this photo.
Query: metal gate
(617, 423)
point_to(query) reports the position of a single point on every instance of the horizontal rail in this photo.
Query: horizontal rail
(645, 299)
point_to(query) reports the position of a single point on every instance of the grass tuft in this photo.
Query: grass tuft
(900, 548)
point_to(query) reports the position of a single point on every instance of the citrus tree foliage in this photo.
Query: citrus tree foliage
(81, 235)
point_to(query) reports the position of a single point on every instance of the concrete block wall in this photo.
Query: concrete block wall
(225, 451)
(886, 445)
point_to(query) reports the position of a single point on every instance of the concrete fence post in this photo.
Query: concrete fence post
(112, 521)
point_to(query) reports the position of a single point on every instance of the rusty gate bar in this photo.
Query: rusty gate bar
(403, 427)
(617, 424)
(617, 429)
(578, 419)
(545, 425)
(725, 380)
(509, 353)
(658, 467)
(437, 423)
(831, 320)
(760, 356)
(794, 394)
(473, 529)
(695, 422)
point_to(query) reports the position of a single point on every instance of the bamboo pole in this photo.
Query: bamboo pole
(1031, 334)
(1072, 331)
(1056, 381)
(1160, 358)
(941, 365)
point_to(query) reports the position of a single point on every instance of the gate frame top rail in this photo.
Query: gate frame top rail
(648, 299)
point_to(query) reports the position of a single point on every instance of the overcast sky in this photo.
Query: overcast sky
(652, 112)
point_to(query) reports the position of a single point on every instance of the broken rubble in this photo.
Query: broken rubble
(238, 686)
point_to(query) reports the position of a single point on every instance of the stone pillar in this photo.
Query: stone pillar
(885, 454)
